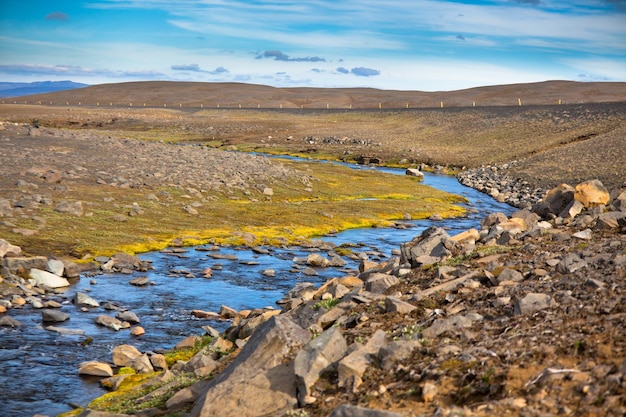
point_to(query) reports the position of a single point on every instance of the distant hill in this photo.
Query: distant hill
(212, 95)
(39, 87)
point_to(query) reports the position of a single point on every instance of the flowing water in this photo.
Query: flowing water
(38, 367)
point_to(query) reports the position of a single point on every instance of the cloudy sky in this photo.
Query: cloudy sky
(389, 44)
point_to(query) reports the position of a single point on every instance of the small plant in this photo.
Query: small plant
(326, 304)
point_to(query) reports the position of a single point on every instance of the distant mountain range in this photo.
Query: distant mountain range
(39, 87)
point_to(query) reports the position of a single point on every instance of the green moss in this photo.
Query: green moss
(327, 304)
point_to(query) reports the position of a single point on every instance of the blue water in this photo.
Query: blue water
(38, 368)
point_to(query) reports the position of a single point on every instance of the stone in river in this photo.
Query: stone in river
(110, 322)
(94, 368)
(54, 316)
(83, 300)
(139, 281)
(128, 316)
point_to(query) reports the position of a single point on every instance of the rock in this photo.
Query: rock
(508, 274)
(470, 235)
(137, 331)
(349, 410)
(139, 281)
(414, 172)
(430, 243)
(64, 330)
(56, 267)
(94, 368)
(429, 391)
(317, 260)
(570, 263)
(583, 234)
(7, 321)
(125, 355)
(48, 279)
(454, 325)
(395, 305)
(531, 303)
(352, 367)
(227, 313)
(318, 356)
(188, 342)
(142, 365)
(110, 322)
(591, 193)
(268, 191)
(54, 316)
(573, 209)
(128, 316)
(201, 365)
(7, 248)
(610, 220)
(158, 361)
(379, 283)
(493, 219)
(186, 396)
(257, 382)
(74, 208)
(555, 201)
(83, 300)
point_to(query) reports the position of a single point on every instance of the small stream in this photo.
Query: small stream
(38, 368)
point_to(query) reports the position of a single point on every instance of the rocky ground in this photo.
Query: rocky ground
(525, 316)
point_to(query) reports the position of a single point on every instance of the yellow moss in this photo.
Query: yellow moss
(128, 388)
(174, 356)
(74, 412)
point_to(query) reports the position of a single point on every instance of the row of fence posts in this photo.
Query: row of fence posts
(380, 105)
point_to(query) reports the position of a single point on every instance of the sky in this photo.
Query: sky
(423, 45)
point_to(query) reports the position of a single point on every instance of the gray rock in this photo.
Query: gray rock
(454, 325)
(508, 274)
(379, 283)
(396, 305)
(555, 201)
(54, 316)
(7, 321)
(56, 267)
(319, 355)
(610, 220)
(74, 208)
(128, 316)
(202, 364)
(531, 303)
(139, 281)
(110, 322)
(83, 300)
(257, 382)
(349, 410)
(431, 243)
(570, 263)
(352, 367)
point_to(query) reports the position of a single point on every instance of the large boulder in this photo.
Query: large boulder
(555, 201)
(261, 380)
(431, 243)
(318, 356)
(591, 193)
(48, 279)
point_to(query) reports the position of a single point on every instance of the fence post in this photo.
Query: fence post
(441, 104)
(519, 101)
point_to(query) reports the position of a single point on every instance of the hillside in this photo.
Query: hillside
(194, 94)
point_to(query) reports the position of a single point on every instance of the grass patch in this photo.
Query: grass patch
(341, 199)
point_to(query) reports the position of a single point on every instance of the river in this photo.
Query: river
(38, 368)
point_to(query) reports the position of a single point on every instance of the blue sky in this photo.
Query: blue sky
(389, 44)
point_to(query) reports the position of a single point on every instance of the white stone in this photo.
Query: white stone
(56, 267)
(48, 279)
